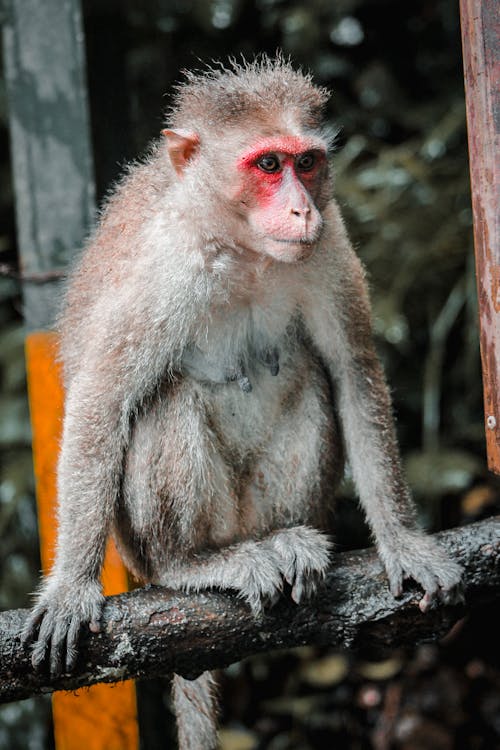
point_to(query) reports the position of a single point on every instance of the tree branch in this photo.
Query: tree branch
(155, 631)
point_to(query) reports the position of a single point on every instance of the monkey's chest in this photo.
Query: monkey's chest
(271, 440)
(245, 412)
(238, 349)
(224, 366)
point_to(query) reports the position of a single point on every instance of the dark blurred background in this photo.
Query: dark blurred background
(395, 71)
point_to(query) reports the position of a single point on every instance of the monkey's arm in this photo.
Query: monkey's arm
(341, 330)
(71, 593)
(118, 365)
(94, 434)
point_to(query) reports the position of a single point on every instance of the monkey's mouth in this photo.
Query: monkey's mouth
(299, 241)
(306, 240)
(293, 250)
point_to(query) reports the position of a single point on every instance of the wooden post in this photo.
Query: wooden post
(104, 717)
(54, 187)
(480, 21)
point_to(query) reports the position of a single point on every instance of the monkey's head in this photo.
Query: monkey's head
(250, 139)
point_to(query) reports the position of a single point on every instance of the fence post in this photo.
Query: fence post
(54, 189)
(480, 20)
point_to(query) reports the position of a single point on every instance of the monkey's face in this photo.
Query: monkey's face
(279, 181)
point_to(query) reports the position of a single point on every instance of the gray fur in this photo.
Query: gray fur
(196, 702)
(205, 379)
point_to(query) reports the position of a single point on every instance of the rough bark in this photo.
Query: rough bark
(155, 631)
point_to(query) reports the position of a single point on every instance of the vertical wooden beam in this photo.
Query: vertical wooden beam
(480, 21)
(54, 188)
(104, 717)
(49, 134)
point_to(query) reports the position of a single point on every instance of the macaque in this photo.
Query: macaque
(218, 364)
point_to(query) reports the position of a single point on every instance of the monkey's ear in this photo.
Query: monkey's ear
(181, 147)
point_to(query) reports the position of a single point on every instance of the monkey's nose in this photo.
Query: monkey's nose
(301, 213)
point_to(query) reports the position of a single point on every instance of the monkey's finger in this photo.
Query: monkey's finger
(289, 570)
(255, 603)
(41, 644)
(57, 647)
(71, 641)
(95, 618)
(430, 598)
(289, 576)
(430, 585)
(32, 625)
(426, 602)
(450, 578)
(447, 591)
(396, 583)
(311, 585)
(96, 615)
(38, 654)
(298, 590)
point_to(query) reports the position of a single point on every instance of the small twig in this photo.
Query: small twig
(39, 277)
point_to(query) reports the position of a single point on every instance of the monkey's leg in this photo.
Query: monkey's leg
(403, 547)
(285, 499)
(366, 416)
(189, 481)
(294, 479)
(181, 496)
(256, 569)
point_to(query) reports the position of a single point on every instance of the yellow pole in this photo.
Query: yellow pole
(102, 717)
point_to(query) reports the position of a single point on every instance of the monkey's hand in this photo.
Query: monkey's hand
(62, 607)
(415, 555)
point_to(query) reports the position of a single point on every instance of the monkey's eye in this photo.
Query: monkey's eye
(269, 163)
(305, 162)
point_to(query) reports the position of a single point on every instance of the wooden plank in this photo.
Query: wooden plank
(53, 180)
(49, 135)
(480, 21)
(103, 717)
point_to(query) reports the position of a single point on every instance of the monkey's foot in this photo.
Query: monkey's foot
(419, 557)
(250, 568)
(55, 621)
(256, 569)
(304, 556)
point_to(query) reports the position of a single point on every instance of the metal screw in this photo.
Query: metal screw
(491, 422)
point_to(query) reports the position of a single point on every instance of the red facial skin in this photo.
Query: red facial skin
(280, 205)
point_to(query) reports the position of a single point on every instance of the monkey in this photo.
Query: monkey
(218, 364)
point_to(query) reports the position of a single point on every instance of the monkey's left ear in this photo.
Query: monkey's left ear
(182, 146)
